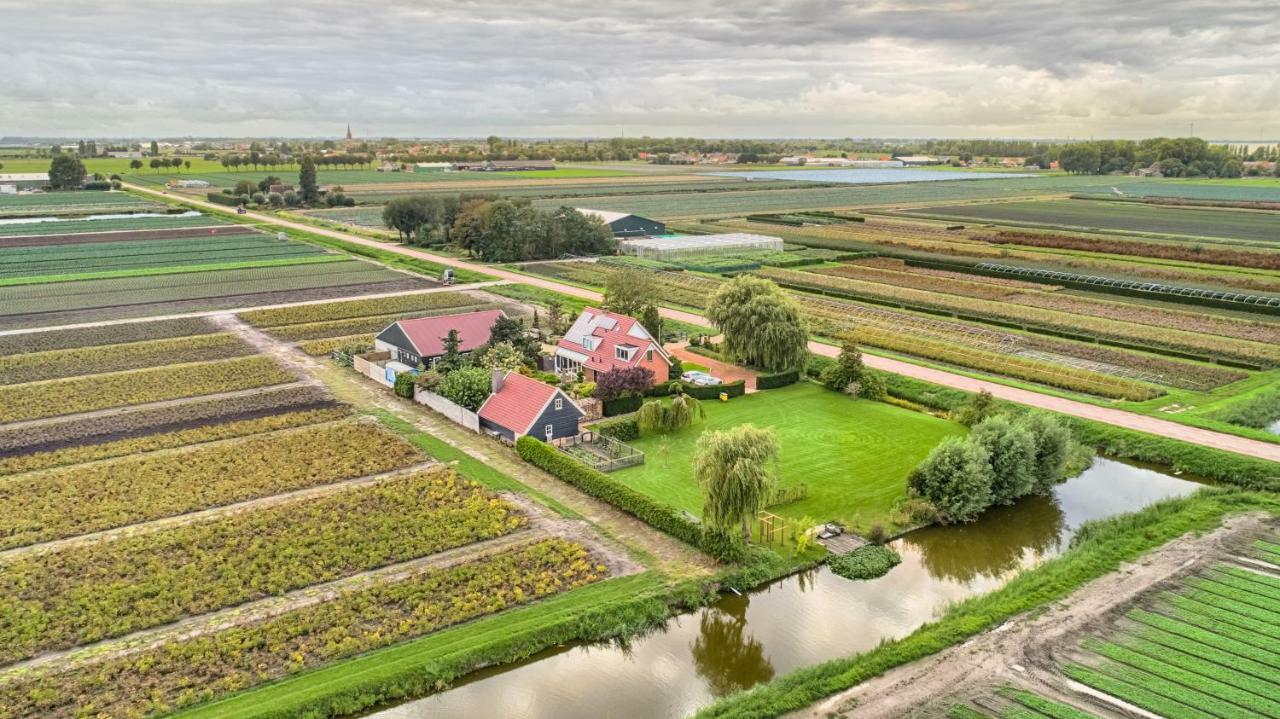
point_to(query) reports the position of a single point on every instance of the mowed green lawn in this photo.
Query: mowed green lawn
(854, 454)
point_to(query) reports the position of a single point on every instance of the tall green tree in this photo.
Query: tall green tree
(1053, 447)
(307, 184)
(66, 172)
(452, 358)
(733, 468)
(956, 479)
(155, 148)
(1011, 451)
(761, 325)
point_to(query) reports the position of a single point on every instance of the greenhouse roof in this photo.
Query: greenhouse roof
(703, 242)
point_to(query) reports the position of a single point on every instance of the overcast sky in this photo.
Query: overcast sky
(789, 68)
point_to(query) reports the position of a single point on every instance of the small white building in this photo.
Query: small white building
(25, 180)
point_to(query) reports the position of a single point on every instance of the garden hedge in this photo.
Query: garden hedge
(777, 379)
(733, 389)
(622, 405)
(659, 515)
(624, 429)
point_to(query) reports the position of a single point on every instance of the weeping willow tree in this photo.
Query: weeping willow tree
(733, 468)
(668, 418)
(761, 325)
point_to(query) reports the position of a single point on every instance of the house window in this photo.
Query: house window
(623, 353)
(648, 356)
(559, 404)
(550, 431)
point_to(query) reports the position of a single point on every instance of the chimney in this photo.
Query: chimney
(498, 377)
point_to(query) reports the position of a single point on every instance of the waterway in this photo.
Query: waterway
(866, 176)
(804, 619)
(113, 216)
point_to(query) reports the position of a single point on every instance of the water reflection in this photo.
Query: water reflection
(798, 621)
(725, 653)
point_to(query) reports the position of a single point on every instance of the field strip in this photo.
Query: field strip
(261, 609)
(108, 232)
(112, 411)
(1084, 410)
(225, 510)
(282, 305)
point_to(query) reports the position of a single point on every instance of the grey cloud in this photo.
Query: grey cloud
(792, 67)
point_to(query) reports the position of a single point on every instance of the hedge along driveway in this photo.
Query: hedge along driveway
(854, 454)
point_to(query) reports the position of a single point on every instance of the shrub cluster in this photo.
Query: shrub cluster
(866, 562)
(664, 517)
(777, 379)
(622, 405)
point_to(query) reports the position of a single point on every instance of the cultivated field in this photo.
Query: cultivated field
(69, 203)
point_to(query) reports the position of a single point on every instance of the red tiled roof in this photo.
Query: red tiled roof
(517, 405)
(427, 333)
(604, 357)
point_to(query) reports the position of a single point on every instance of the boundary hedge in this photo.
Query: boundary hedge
(777, 379)
(718, 543)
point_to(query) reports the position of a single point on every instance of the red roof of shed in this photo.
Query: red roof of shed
(518, 404)
(427, 333)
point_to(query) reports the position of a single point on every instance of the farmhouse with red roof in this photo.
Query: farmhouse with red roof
(600, 341)
(421, 340)
(522, 406)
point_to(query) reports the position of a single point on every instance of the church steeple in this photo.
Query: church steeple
(348, 131)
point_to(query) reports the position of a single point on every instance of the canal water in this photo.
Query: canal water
(804, 619)
(113, 216)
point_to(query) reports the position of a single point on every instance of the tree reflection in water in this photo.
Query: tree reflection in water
(726, 656)
(1002, 540)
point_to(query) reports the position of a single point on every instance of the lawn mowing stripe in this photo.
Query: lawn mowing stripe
(1220, 613)
(1175, 690)
(444, 652)
(1216, 627)
(1133, 693)
(1223, 681)
(1243, 659)
(1242, 594)
(1047, 707)
(1234, 580)
(1240, 603)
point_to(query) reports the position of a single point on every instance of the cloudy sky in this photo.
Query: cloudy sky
(780, 68)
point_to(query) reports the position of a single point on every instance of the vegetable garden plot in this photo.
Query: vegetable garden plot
(198, 669)
(127, 223)
(148, 579)
(62, 203)
(115, 292)
(66, 259)
(75, 500)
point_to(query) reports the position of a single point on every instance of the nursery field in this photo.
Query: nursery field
(1254, 227)
(82, 202)
(853, 455)
(346, 178)
(224, 524)
(72, 225)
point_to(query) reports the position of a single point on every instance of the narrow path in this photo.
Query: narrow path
(266, 608)
(1083, 410)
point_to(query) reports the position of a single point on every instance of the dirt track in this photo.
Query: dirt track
(1026, 650)
(1106, 415)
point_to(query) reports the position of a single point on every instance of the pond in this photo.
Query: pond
(113, 216)
(869, 176)
(804, 619)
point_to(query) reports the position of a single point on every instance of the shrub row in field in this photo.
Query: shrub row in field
(1190, 320)
(322, 347)
(159, 680)
(79, 454)
(1160, 250)
(68, 501)
(52, 436)
(355, 308)
(659, 515)
(967, 287)
(37, 366)
(159, 577)
(86, 394)
(104, 335)
(361, 325)
(1043, 320)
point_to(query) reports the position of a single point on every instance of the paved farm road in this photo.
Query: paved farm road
(1117, 417)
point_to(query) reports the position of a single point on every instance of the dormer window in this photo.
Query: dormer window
(590, 343)
(624, 353)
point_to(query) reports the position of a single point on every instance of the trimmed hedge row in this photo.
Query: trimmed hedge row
(625, 429)
(622, 405)
(733, 389)
(718, 543)
(777, 379)
(218, 198)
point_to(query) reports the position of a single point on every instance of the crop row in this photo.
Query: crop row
(46, 258)
(361, 325)
(113, 292)
(75, 500)
(94, 392)
(322, 347)
(1202, 322)
(348, 309)
(155, 578)
(105, 335)
(197, 669)
(127, 223)
(59, 202)
(1163, 370)
(37, 366)
(890, 263)
(913, 240)
(131, 423)
(1033, 317)
(1136, 688)
(966, 287)
(1184, 252)
(79, 454)
(1207, 637)
(88, 238)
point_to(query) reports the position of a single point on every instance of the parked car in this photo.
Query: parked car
(700, 378)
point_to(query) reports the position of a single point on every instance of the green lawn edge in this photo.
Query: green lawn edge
(1100, 548)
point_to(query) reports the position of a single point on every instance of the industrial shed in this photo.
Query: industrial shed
(623, 224)
(661, 248)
